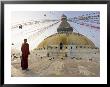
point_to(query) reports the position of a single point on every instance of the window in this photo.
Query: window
(47, 54)
(71, 47)
(61, 46)
(66, 55)
(76, 47)
(80, 46)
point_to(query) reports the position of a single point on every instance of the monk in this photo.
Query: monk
(25, 53)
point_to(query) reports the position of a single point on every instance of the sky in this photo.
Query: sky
(23, 16)
(31, 32)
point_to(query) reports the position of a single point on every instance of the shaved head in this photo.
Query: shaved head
(25, 40)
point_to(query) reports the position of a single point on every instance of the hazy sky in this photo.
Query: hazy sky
(34, 38)
(22, 16)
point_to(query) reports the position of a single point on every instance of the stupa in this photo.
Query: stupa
(67, 43)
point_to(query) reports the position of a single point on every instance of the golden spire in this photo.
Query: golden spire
(64, 25)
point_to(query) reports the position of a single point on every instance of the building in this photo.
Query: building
(67, 44)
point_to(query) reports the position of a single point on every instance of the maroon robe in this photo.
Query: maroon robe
(25, 53)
